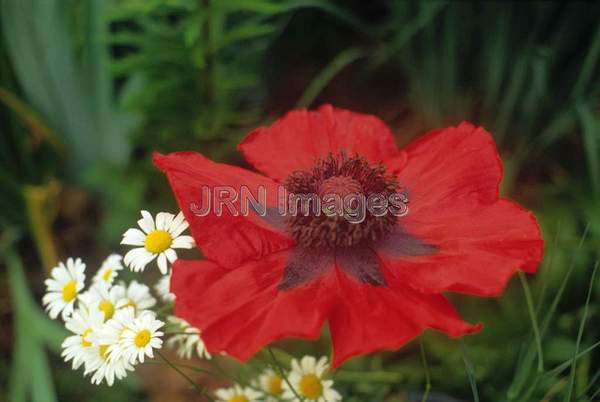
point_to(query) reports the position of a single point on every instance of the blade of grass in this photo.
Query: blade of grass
(549, 266)
(595, 394)
(559, 125)
(565, 365)
(588, 66)
(317, 85)
(589, 386)
(470, 371)
(569, 393)
(517, 82)
(534, 321)
(554, 390)
(590, 132)
(563, 285)
(495, 59)
(524, 368)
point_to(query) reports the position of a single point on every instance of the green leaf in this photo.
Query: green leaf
(31, 374)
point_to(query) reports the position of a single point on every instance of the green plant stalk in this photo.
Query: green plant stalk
(534, 321)
(563, 366)
(282, 374)
(201, 390)
(590, 129)
(38, 199)
(522, 372)
(31, 120)
(469, 370)
(325, 76)
(569, 393)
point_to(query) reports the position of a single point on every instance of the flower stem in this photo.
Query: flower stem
(186, 366)
(201, 390)
(282, 374)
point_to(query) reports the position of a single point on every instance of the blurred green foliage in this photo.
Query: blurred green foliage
(90, 88)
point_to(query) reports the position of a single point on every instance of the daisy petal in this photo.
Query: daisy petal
(171, 255)
(162, 264)
(146, 223)
(178, 225)
(183, 242)
(133, 237)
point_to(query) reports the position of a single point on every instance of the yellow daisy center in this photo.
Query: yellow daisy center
(107, 308)
(310, 386)
(84, 342)
(238, 398)
(106, 275)
(69, 291)
(104, 351)
(142, 338)
(275, 385)
(158, 241)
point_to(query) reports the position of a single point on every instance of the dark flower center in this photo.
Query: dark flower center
(339, 185)
(331, 202)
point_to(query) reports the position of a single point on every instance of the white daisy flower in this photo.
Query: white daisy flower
(62, 290)
(237, 394)
(137, 296)
(98, 362)
(113, 329)
(105, 298)
(158, 240)
(84, 323)
(187, 341)
(109, 269)
(272, 383)
(307, 380)
(162, 288)
(141, 338)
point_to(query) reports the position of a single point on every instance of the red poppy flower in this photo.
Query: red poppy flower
(378, 283)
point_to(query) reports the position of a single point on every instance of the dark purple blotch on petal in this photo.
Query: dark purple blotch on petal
(304, 265)
(400, 244)
(362, 263)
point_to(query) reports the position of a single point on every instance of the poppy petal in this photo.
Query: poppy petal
(478, 250)
(449, 166)
(477, 241)
(242, 310)
(372, 318)
(243, 236)
(312, 135)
